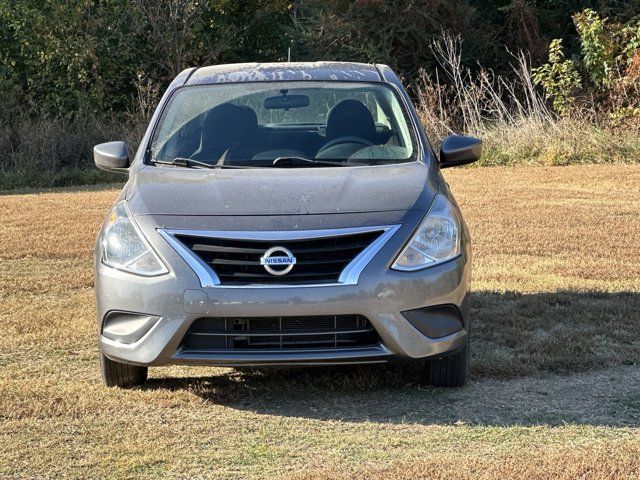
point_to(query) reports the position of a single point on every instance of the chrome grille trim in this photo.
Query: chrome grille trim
(349, 275)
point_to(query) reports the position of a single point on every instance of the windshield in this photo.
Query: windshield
(303, 123)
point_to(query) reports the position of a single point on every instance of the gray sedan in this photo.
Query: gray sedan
(284, 214)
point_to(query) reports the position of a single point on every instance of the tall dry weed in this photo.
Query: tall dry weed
(511, 115)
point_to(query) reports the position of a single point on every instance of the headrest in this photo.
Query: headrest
(228, 123)
(350, 118)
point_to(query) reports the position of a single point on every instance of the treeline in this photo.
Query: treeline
(58, 57)
(76, 72)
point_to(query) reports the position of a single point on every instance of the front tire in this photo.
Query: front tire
(116, 374)
(449, 371)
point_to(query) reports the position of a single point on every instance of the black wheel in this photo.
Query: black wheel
(449, 371)
(116, 374)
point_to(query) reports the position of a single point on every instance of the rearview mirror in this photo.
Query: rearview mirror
(459, 150)
(112, 157)
(285, 102)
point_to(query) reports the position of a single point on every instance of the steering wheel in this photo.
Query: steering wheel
(343, 140)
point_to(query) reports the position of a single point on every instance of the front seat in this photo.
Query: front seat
(350, 127)
(225, 132)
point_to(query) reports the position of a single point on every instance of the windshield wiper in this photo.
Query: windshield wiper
(285, 162)
(191, 163)
(300, 161)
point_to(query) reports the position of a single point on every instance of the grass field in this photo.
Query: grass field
(555, 388)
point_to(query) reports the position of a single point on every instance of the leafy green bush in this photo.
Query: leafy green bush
(604, 80)
(559, 78)
(598, 47)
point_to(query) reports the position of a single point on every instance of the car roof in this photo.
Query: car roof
(285, 71)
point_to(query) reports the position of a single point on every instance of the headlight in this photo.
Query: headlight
(124, 247)
(436, 240)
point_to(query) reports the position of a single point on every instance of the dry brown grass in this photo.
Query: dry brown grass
(556, 289)
(592, 462)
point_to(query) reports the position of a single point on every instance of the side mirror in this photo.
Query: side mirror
(459, 150)
(112, 157)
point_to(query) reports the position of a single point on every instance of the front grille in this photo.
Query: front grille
(318, 260)
(280, 333)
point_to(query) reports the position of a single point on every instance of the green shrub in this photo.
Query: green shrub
(559, 78)
(608, 89)
(599, 47)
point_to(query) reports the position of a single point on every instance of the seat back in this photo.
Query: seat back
(350, 118)
(226, 128)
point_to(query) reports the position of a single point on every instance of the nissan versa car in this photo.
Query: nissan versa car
(284, 215)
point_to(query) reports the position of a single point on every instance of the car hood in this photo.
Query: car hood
(279, 191)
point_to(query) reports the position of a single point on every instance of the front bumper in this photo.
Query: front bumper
(178, 300)
(380, 295)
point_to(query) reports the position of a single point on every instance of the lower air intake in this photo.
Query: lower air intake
(333, 332)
